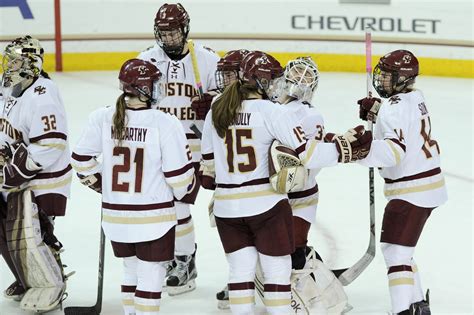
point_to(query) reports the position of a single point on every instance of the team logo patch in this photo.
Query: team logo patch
(394, 100)
(40, 90)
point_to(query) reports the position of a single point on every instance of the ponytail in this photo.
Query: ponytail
(227, 106)
(119, 119)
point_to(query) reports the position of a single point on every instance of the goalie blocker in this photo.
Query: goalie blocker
(36, 257)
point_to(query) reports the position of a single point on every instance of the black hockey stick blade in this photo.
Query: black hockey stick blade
(196, 131)
(81, 310)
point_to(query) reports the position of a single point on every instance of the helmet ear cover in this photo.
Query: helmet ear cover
(142, 79)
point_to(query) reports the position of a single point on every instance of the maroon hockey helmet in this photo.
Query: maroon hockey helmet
(228, 68)
(139, 78)
(259, 69)
(395, 72)
(172, 27)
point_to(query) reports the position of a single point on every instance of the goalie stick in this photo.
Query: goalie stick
(347, 275)
(97, 308)
(197, 78)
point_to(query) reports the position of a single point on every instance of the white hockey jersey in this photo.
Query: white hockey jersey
(38, 118)
(240, 159)
(304, 203)
(181, 86)
(408, 156)
(140, 176)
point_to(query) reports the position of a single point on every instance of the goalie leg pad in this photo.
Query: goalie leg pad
(35, 262)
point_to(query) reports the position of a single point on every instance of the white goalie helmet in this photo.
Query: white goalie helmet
(301, 78)
(22, 59)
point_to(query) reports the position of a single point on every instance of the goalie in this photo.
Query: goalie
(313, 284)
(35, 176)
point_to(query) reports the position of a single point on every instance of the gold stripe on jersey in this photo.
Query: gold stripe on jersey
(182, 183)
(242, 300)
(408, 190)
(147, 308)
(401, 281)
(309, 203)
(183, 232)
(414, 268)
(58, 146)
(261, 193)
(139, 220)
(62, 183)
(276, 302)
(394, 151)
(310, 151)
(195, 148)
(80, 169)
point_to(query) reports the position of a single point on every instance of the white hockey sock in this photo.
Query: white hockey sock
(129, 284)
(418, 291)
(401, 280)
(185, 238)
(150, 281)
(277, 288)
(242, 264)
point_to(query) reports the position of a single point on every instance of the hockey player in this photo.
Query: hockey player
(253, 221)
(311, 279)
(409, 161)
(146, 164)
(171, 56)
(35, 176)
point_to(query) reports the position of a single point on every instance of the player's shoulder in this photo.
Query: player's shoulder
(42, 92)
(165, 120)
(101, 114)
(206, 51)
(153, 53)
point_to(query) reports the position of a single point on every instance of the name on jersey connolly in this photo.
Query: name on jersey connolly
(384, 24)
(242, 119)
(131, 134)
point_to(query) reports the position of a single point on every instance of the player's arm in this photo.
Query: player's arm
(177, 162)
(390, 150)
(85, 154)
(207, 173)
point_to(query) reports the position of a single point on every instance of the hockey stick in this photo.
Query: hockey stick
(197, 78)
(346, 276)
(97, 308)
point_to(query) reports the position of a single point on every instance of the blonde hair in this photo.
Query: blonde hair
(227, 106)
(120, 119)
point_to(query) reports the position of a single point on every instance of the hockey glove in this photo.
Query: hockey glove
(353, 145)
(369, 108)
(201, 106)
(21, 167)
(93, 181)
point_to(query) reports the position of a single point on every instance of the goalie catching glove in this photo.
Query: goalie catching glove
(353, 145)
(18, 166)
(287, 173)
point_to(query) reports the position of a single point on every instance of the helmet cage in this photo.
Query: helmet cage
(389, 82)
(171, 28)
(224, 78)
(302, 77)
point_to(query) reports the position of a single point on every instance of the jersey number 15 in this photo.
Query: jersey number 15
(234, 137)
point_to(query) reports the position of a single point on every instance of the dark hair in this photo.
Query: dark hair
(45, 75)
(120, 119)
(227, 106)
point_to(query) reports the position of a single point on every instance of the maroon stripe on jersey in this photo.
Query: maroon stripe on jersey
(185, 220)
(276, 287)
(54, 174)
(180, 171)
(140, 108)
(129, 288)
(241, 286)
(429, 173)
(301, 148)
(404, 148)
(81, 158)
(191, 136)
(209, 156)
(399, 268)
(259, 181)
(135, 207)
(304, 193)
(49, 135)
(148, 295)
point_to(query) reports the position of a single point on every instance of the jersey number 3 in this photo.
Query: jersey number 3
(125, 168)
(230, 140)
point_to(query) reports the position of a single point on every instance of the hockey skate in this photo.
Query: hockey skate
(223, 299)
(422, 307)
(182, 277)
(15, 291)
(170, 266)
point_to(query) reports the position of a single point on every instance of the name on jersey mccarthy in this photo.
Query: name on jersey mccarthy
(131, 134)
(7, 128)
